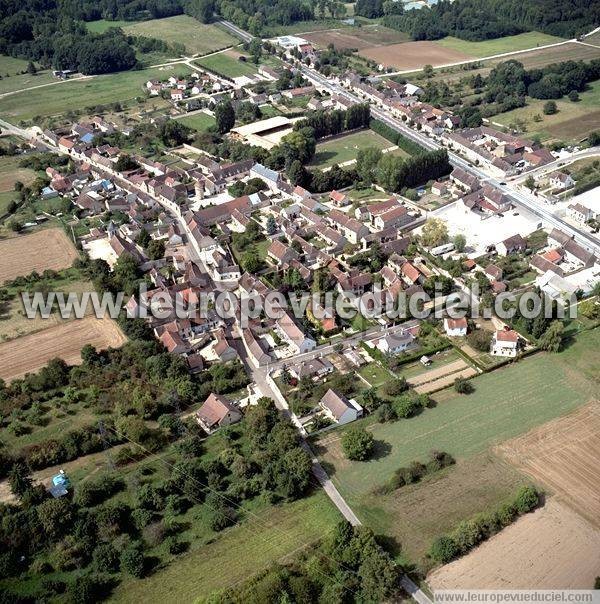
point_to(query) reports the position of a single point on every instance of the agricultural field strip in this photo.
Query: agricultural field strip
(443, 382)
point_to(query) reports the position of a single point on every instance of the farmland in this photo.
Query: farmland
(345, 148)
(564, 455)
(550, 548)
(30, 353)
(10, 173)
(496, 46)
(413, 55)
(46, 249)
(464, 426)
(13, 79)
(240, 552)
(358, 38)
(572, 122)
(198, 38)
(89, 92)
(227, 64)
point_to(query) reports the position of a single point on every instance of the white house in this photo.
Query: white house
(505, 343)
(455, 328)
(579, 212)
(339, 409)
(561, 181)
(395, 343)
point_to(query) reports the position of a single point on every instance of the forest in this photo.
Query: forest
(476, 20)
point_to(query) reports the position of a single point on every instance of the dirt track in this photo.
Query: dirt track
(46, 249)
(30, 353)
(564, 454)
(551, 548)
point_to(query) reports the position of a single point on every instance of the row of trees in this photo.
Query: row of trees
(329, 123)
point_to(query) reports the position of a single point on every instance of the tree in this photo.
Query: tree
(366, 163)
(435, 232)
(480, 340)
(395, 387)
(526, 499)
(357, 443)
(460, 242)
(31, 68)
(143, 239)
(132, 559)
(125, 163)
(225, 116)
(443, 549)
(271, 224)
(573, 96)
(594, 138)
(530, 182)
(550, 108)
(156, 249)
(463, 386)
(553, 337)
(19, 479)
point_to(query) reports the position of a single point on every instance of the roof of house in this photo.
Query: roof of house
(266, 173)
(507, 335)
(337, 404)
(456, 323)
(214, 409)
(290, 329)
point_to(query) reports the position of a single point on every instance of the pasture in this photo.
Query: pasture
(45, 249)
(198, 38)
(550, 548)
(506, 403)
(413, 55)
(345, 148)
(10, 173)
(30, 353)
(76, 95)
(227, 64)
(496, 46)
(13, 79)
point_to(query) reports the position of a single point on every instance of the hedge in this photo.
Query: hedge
(395, 137)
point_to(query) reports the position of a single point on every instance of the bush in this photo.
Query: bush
(443, 549)
(385, 413)
(357, 443)
(395, 387)
(480, 340)
(132, 560)
(105, 558)
(463, 386)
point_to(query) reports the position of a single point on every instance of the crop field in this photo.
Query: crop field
(45, 249)
(198, 38)
(368, 36)
(488, 48)
(564, 455)
(227, 64)
(76, 95)
(465, 426)
(30, 353)
(236, 554)
(345, 148)
(550, 548)
(413, 55)
(572, 122)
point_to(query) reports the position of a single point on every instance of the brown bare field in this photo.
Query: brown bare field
(30, 353)
(434, 374)
(366, 37)
(46, 249)
(551, 548)
(564, 454)
(444, 382)
(413, 55)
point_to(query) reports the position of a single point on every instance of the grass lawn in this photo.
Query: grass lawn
(76, 95)
(488, 48)
(227, 65)
(198, 38)
(573, 122)
(236, 554)
(100, 26)
(375, 374)
(345, 148)
(506, 402)
(199, 121)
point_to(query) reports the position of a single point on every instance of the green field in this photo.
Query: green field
(236, 554)
(506, 402)
(12, 79)
(228, 65)
(199, 121)
(345, 148)
(76, 95)
(198, 38)
(488, 48)
(10, 173)
(573, 122)
(99, 27)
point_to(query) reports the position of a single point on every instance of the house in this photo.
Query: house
(339, 409)
(579, 212)
(464, 180)
(493, 272)
(294, 336)
(439, 188)
(216, 412)
(313, 368)
(396, 343)
(177, 95)
(561, 181)
(455, 328)
(339, 199)
(280, 253)
(395, 217)
(513, 244)
(505, 343)
(271, 178)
